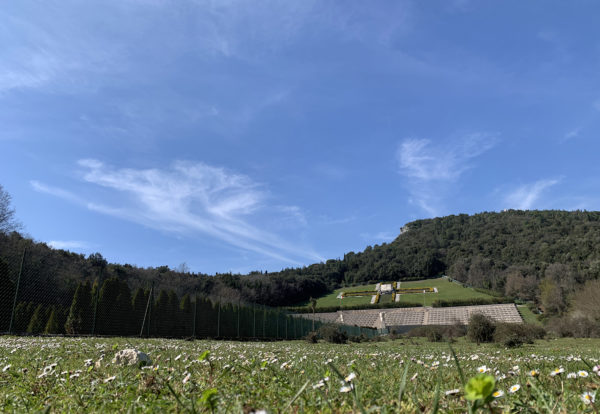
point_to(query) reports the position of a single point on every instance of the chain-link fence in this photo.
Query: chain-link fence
(92, 303)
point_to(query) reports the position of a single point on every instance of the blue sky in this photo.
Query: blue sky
(249, 135)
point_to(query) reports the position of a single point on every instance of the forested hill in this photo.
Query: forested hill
(510, 252)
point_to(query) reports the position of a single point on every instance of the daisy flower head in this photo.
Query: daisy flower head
(483, 369)
(571, 375)
(557, 371)
(582, 374)
(534, 373)
(452, 392)
(514, 388)
(588, 397)
(346, 388)
(498, 394)
(350, 377)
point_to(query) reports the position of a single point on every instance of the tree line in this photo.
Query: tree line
(111, 309)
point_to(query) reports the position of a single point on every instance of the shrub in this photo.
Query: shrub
(312, 337)
(481, 329)
(359, 338)
(513, 335)
(331, 333)
(577, 327)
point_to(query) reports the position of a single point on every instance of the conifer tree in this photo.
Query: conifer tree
(38, 320)
(23, 313)
(53, 325)
(185, 316)
(139, 304)
(7, 291)
(79, 320)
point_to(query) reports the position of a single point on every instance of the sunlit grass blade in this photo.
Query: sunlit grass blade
(402, 384)
(300, 391)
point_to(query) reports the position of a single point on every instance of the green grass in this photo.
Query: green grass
(446, 291)
(527, 315)
(286, 376)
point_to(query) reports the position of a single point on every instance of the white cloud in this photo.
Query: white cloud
(68, 244)
(526, 196)
(574, 133)
(430, 170)
(193, 198)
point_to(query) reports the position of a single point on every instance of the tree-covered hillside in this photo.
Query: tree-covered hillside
(526, 254)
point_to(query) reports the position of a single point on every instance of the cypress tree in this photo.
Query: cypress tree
(23, 313)
(139, 303)
(7, 291)
(53, 324)
(185, 316)
(79, 320)
(38, 320)
(160, 316)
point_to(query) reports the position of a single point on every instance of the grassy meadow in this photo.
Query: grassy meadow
(404, 375)
(446, 291)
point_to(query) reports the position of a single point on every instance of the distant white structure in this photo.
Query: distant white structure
(385, 289)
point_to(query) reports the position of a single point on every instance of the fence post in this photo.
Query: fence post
(146, 312)
(238, 319)
(12, 314)
(219, 320)
(264, 317)
(96, 301)
(195, 312)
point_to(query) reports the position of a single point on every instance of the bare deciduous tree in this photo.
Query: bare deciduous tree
(8, 222)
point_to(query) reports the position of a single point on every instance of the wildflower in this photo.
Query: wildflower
(110, 379)
(571, 375)
(514, 388)
(596, 369)
(452, 392)
(346, 388)
(557, 371)
(588, 397)
(6, 368)
(534, 373)
(187, 378)
(414, 377)
(582, 374)
(319, 384)
(483, 369)
(498, 394)
(350, 377)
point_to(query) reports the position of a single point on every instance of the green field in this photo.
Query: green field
(446, 291)
(237, 377)
(527, 315)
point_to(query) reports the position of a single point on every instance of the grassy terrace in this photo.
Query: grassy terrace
(446, 291)
(76, 375)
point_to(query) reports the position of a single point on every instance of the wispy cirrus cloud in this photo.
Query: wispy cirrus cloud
(430, 169)
(193, 199)
(526, 196)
